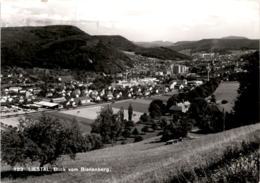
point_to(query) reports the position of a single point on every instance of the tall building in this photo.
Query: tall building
(179, 69)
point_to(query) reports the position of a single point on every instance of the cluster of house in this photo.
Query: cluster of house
(184, 84)
(18, 95)
(75, 93)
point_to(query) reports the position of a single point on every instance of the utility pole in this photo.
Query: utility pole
(224, 120)
(208, 70)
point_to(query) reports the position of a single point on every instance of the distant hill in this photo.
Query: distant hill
(117, 41)
(154, 44)
(227, 43)
(234, 37)
(64, 46)
(162, 53)
(122, 43)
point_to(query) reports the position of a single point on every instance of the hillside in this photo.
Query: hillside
(148, 160)
(117, 41)
(161, 53)
(59, 46)
(227, 43)
(122, 43)
(64, 46)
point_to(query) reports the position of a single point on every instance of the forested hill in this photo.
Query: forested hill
(59, 46)
(64, 46)
(227, 43)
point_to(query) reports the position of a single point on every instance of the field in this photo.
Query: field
(227, 91)
(13, 121)
(139, 105)
(91, 113)
(147, 160)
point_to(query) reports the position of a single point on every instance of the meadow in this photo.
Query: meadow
(148, 161)
(227, 91)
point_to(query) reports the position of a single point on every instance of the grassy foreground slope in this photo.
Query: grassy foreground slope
(149, 162)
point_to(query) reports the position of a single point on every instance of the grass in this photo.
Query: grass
(147, 161)
(227, 91)
(84, 123)
(138, 105)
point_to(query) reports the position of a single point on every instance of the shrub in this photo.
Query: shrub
(123, 142)
(135, 132)
(126, 133)
(145, 129)
(138, 138)
(144, 118)
(157, 108)
(224, 102)
(95, 141)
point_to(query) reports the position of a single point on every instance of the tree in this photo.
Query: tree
(44, 141)
(213, 99)
(247, 105)
(208, 117)
(172, 101)
(198, 109)
(156, 108)
(121, 113)
(213, 119)
(108, 125)
(130, 112)
(177, 128)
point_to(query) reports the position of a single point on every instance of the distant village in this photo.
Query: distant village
(24, 91)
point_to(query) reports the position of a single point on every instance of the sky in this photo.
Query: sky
(141, 20)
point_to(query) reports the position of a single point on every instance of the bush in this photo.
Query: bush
(138, 138)
(129, 124)
(157, 108)
(163, 122)
(135, 132)
(155, 126)
(224, 102)
(123, 142)
(144, 118)
(95, 141)
(126, 133)
(145, 129)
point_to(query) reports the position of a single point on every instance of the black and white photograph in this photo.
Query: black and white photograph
(130, 91)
